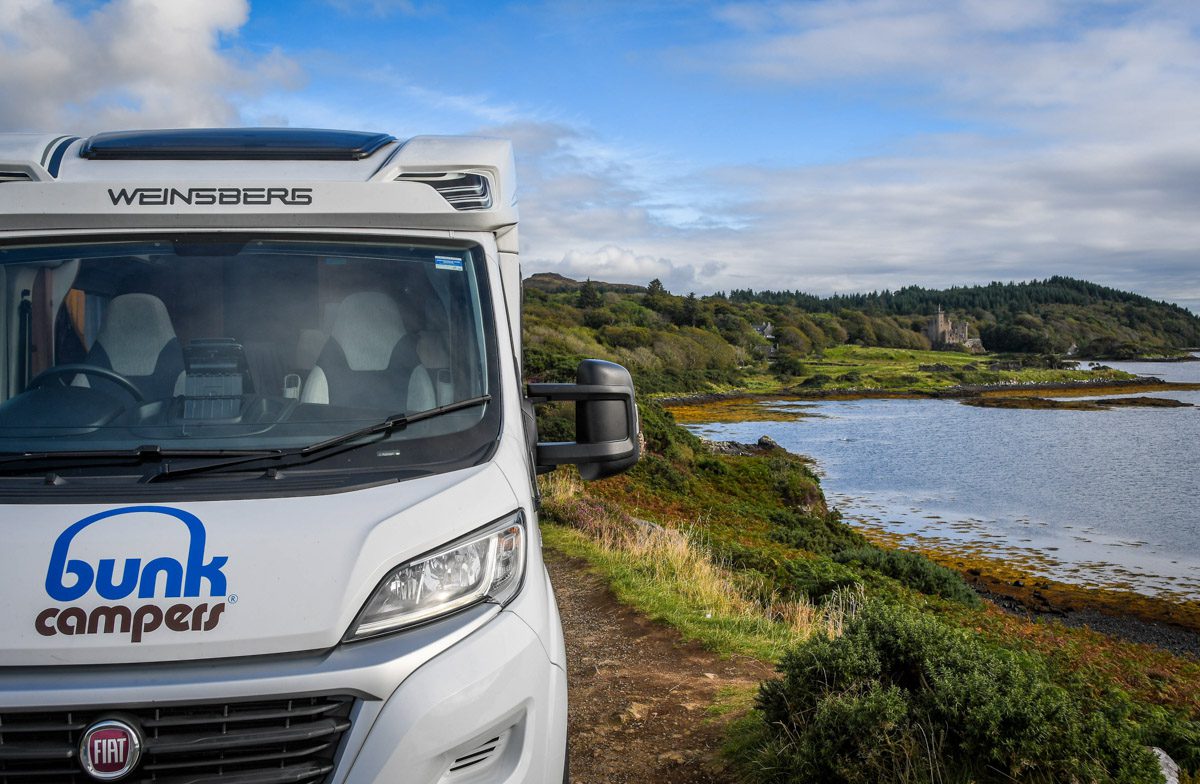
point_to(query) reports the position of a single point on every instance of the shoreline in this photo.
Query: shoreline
(1177, 640)
(1171, 624)
(745, 406)
(1058, 388)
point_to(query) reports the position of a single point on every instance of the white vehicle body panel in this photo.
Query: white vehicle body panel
(291, 573)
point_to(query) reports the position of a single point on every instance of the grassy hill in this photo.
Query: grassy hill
(1035, 316)
(678, 343)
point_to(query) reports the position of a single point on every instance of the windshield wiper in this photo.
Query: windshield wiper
(147, 453)
(289, 458)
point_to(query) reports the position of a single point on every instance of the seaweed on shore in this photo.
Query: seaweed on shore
(1100, 404)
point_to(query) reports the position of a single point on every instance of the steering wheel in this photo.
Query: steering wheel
(87, 370)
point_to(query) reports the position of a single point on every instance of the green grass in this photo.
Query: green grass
(850, 369)
(856, 367)
(732, 700)
(749, 561)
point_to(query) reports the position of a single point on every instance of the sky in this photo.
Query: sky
(825, 145)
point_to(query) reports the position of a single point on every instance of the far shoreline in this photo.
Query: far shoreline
(1142, 383)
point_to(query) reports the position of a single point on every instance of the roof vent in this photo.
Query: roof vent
(234, 144)
(15, 176)
(465, 191)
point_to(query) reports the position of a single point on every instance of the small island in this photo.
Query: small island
(1097, 404)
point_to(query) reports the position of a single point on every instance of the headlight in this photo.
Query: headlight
(487, 564)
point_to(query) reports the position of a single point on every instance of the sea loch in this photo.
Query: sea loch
(1103, 498)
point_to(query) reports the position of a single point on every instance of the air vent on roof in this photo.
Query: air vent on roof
(234, 144)
(14, 176)
(463, 190)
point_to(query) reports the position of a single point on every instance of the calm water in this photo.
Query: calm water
(1108, 497)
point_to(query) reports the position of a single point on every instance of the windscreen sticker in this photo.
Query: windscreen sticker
(448, 263)
(100, 596)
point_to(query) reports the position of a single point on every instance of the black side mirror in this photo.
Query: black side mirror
(606, 421)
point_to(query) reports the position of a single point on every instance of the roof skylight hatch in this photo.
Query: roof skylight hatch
(234, 144)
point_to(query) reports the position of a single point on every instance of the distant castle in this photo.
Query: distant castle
(943, 333)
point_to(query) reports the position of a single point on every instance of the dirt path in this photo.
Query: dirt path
(638, 694)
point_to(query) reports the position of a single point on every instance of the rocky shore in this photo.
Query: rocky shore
(1167, 636)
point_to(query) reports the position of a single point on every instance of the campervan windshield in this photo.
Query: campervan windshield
(203, 344)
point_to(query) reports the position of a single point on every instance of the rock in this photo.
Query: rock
(635, 712)
(671, 756)
(766, 442)
(1167, 765)
(729, 448)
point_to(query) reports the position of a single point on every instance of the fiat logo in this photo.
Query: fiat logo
(109, 750)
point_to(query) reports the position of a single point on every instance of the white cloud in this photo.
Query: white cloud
(1113, 214)
(614, 264)
(1088, 164)
(129, 63)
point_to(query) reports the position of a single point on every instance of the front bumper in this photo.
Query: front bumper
(470, 699)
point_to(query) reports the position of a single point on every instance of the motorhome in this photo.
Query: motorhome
(267, 463)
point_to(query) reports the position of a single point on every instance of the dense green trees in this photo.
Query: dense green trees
(1036, 316)
(679, 343)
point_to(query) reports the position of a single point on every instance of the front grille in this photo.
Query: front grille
(259, 742)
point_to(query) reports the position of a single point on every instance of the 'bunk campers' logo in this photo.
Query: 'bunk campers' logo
(70, 579)
(206, 197)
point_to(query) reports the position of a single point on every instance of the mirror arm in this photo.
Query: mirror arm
(561, 453)
(549, 393)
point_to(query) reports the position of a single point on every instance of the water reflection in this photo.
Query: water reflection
(1096, 497)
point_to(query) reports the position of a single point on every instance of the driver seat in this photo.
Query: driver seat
(138, 341)
(369, 361)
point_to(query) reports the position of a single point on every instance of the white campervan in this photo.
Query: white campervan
(267, 499)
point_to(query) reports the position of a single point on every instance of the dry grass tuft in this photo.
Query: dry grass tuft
(673, 574)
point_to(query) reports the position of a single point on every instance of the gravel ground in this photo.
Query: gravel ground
(638, 694)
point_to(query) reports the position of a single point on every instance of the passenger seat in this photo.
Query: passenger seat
(366, 363)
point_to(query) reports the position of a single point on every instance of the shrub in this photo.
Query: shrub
(794, 483)
(663, 436)
(817, 533)
(542, 364)
(813, 578)
(912, 569)
(626, 337)
(787, 364)
(659, 474)
(903, 697)
(1177, 734)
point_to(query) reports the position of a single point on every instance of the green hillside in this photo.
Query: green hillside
(679, 343)
(1034, 316)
